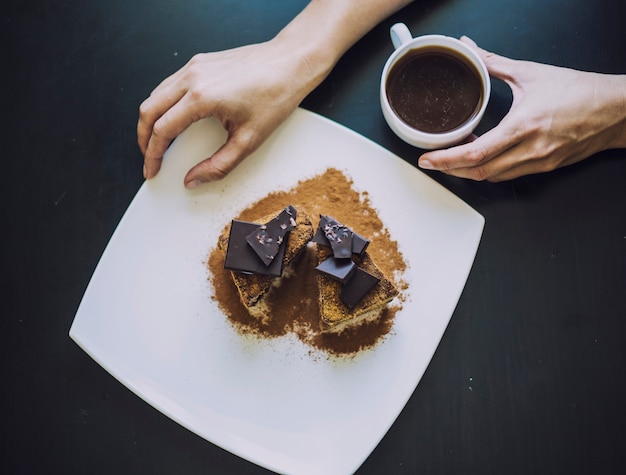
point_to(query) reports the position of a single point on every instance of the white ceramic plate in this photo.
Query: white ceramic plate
(147, 316)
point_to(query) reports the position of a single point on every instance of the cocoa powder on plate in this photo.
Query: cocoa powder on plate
(293, 305)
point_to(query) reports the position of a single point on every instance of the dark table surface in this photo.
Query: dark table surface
(529, 376)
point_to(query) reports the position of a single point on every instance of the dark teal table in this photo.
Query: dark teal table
(529, 376)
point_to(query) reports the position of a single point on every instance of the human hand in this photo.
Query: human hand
(251, 90)
(254, 88)
(559, 116)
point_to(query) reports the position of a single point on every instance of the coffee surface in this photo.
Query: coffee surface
(434, 90)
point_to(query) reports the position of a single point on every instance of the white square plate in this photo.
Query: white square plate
(148, 318)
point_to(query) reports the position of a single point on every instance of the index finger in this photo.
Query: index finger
(166, 128)
(472, 154)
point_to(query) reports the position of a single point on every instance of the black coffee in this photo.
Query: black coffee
(434, 90)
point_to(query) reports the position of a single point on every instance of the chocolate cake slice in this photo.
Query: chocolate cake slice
(254, 269)
(352, 302)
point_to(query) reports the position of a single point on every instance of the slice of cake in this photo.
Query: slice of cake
(361, 299)
(260, 254)
(352, 289)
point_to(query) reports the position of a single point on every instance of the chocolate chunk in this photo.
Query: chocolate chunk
(357, 287)
(240, 257)
(320, 236)
(342, 242)
(359, 244)
(267, 239)
(328, 229)
(338, 236)
(338, 269)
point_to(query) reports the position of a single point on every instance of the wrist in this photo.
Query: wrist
(315, 40)
(619, 140)
(306, 64)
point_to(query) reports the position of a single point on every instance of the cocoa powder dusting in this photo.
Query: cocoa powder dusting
(294, 306)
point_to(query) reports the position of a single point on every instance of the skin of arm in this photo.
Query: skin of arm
(558, 117)
(254, 88)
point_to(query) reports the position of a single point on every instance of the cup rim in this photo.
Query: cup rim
(418, 137)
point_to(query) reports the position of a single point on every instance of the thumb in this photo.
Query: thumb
(498, 66)
(221, 163)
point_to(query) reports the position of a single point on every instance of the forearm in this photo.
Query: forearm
(318, 37)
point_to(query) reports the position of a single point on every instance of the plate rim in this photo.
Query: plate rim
(82, 340)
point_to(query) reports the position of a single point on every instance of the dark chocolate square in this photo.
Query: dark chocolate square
(357, 287)
(338, 269)
(240, 257)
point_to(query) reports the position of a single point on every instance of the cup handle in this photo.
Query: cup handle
(400, 34)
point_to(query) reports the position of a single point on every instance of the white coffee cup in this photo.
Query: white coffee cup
(404, 44)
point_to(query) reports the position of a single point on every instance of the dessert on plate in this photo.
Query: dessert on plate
(342, 300)
(259, 255)
(351, 288)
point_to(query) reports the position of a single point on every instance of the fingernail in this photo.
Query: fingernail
(193, 184)
(426, 165)
(145, 172)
